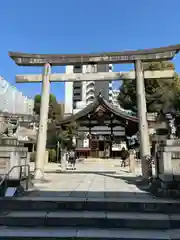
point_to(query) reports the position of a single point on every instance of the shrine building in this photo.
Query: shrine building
(104, 128)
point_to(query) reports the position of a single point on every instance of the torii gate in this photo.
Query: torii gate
(136, 57)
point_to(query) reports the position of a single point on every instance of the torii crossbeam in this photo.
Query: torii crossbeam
(100, 76)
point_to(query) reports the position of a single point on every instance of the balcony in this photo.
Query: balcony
(90, 86)
(90, 94)
(90, 83)
(90, 99)
(90, 90)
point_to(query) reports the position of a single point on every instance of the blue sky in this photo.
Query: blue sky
(75, 26)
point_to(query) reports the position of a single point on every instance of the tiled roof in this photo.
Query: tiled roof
(97, 102)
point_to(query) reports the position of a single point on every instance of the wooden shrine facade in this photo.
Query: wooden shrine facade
(102, 125)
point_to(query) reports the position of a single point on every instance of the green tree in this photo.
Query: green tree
(66, 134)
(160, 93)
(52, 135)
(37, 104)
(54, 107)
(54, 116)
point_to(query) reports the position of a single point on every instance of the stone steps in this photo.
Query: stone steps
(104, 220)
(90, 204)
(89, 218)
(90, 233)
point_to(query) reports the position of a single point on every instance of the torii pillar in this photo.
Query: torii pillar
(142, 115)
(42, 132)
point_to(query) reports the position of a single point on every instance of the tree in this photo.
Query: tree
(52, 135)
(54, 107)
(160, 93)
(37, 104)
(66, 134)
(54, 116)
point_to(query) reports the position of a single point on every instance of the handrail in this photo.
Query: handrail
(5, 177)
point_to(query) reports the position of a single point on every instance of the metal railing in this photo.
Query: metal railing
(27, 178)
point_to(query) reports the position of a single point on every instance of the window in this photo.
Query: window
(78, 69)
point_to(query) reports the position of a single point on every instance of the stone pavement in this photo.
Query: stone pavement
(91, 179)
(91, 165)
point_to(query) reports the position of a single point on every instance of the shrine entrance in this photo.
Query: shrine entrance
(100, 146)
(137, 57)
(102, 126)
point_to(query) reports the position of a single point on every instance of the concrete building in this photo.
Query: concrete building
(62, 105)
(13, 101)
(80, 94)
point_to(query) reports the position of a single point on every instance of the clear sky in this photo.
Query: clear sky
(75, 26)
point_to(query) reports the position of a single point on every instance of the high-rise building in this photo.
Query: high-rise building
(79, 94)
(13, 101)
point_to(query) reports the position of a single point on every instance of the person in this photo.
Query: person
(72, 159)
(124, 156)
(107, 152)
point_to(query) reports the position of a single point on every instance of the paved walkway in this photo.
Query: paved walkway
(92, 179)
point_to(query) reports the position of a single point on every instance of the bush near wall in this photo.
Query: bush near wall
(52, 155)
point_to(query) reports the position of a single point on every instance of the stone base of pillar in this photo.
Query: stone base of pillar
(156, 189)
(143, 182)
(38, 174)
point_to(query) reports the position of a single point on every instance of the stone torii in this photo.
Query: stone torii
(136, 57)
(56, 77)
(100, 76)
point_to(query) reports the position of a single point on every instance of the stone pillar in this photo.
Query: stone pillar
(132, 162)
(63, 159)
(46, 158)
(142, 115)
(111, 141)
(167, 169)
(42, 132)
(14, 161)
(90, 137)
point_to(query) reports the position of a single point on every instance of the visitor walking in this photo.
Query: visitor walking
(124, 155)
(72, 159)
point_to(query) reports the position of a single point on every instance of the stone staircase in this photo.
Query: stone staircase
(89, 218)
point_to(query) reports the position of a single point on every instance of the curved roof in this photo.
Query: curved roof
(34, 59)
(97, 102)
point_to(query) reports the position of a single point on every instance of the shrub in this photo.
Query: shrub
(52, 155)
